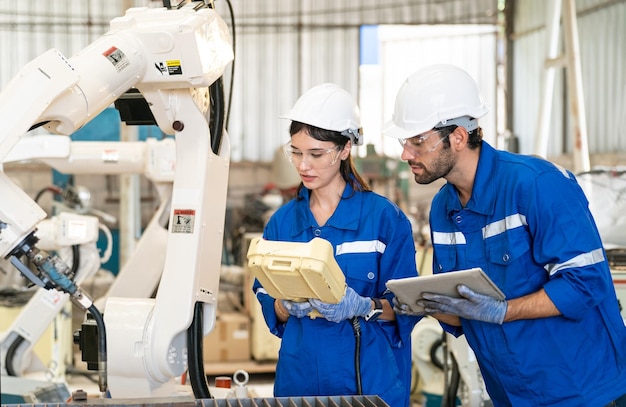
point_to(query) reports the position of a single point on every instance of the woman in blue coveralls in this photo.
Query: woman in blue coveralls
(373, 242)
(558, 339)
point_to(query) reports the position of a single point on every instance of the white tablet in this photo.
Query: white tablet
(409, 290)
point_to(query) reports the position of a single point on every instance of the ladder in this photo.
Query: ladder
(570, 60)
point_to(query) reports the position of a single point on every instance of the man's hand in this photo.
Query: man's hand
(351, 305)
(401, 308)
(471, 305)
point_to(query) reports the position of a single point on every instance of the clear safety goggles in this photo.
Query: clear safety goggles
(418, 145)
(316, 158)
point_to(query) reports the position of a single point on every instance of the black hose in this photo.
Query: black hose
(75, 260)
(54, 189)
(102, 347)
(433, 354)
(195, 336)
(453, 388)
(232, 65)
(216, 122)
(11, 355)
(219, 87)
(356, 327)
(451, 377)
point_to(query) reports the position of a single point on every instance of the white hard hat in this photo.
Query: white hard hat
(434, 97)
(329, 107)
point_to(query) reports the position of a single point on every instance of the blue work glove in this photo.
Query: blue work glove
(351, 305)
(471, 305)
(401, 308)
(297, 309)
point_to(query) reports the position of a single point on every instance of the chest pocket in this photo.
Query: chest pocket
(507, 247)
(361, 271)
(445, 258)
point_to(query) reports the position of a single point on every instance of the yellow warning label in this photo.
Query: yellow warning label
(169, 67)
(183, 220)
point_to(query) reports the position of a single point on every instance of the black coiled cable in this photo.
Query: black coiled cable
(197, 377)
(356, 327)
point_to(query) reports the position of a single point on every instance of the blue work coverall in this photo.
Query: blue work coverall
(373, 243)
(527, 224)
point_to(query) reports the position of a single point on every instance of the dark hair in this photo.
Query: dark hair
(346, 167)
(475, 137)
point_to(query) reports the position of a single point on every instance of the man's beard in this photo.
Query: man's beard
(441, 167)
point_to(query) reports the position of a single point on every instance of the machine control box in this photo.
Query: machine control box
(297, 271)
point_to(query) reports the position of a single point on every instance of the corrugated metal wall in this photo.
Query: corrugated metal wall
(601, 34)
(283, 47)
(30, 27)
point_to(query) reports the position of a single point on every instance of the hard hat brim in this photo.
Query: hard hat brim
(390, 129)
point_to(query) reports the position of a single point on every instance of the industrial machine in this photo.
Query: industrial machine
(73, 234)
(154, 158)
(73, 237)
(172, 60)
(447, 368)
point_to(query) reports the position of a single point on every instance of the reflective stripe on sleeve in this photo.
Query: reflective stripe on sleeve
(582, 260)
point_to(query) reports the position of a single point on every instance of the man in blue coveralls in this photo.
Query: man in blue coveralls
(558, 339)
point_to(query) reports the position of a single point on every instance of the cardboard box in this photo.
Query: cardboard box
(230, 340)
(263, 345)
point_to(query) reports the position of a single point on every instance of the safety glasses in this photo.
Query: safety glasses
(316, 158)
(417, 145)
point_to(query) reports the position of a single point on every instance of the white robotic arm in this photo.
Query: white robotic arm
(170, 56)
(151, 49)
(153, 158)
(59, 233)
